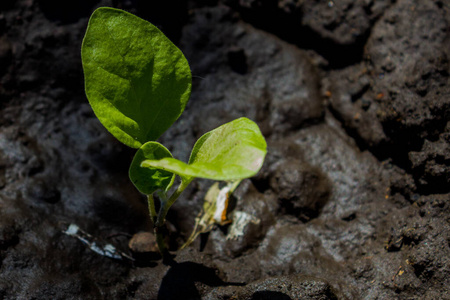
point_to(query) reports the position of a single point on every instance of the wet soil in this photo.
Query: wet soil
(353, 98)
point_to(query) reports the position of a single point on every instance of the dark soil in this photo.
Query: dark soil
(353, 201)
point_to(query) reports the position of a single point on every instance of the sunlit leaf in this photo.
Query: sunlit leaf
(137, 81)
(235, 150)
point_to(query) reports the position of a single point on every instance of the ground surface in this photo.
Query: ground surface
(352, 202)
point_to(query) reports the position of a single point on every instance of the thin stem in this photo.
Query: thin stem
(151, 208)
(193, 236)
(160, 219)
(234, 185)
(160, 241)
(158, 231)
(167, 204)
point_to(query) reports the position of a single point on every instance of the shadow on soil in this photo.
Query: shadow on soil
(180, 281)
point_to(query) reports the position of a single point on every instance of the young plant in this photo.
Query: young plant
(138, 83)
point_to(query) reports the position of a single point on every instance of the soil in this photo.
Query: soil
(353, 98)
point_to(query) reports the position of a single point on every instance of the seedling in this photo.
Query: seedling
(138, 83)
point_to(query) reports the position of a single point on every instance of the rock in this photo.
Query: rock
(143, 242)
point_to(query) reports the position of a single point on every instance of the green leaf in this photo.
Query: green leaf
(137, 81)
(235, 150)
(149, 180)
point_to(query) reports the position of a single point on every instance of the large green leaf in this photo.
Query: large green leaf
(137, 81)
(149, 180)
(235, 150)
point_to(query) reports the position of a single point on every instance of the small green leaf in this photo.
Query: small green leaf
(149, 180)
(137, 81)
(233, 151)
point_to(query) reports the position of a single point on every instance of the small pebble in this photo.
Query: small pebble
(143, 242)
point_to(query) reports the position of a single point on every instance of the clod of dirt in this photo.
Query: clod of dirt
(278, 288)
(337, 30)
(431, 163)
(143, 242)
(302, 189)
(401, 92)
(280, 89)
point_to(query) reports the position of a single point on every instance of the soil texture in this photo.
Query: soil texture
(353, 200)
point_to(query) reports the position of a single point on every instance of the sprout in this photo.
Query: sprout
(138, 83)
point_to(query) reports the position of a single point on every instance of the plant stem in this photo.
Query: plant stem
(167, 204)
(151, 208)
(161, 243)
(193, 235)
(158, 231)
(160, 219)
